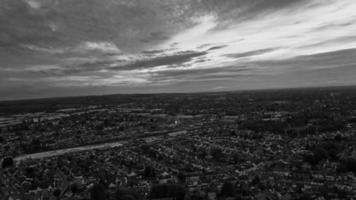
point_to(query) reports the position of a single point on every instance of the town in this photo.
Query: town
(268, 144)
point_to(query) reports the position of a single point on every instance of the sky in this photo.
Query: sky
(51, 48)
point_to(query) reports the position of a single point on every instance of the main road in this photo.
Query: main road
(105, 145)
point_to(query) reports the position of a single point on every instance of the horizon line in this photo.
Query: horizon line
(182, 93)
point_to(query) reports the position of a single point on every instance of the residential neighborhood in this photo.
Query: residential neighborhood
(241, 146)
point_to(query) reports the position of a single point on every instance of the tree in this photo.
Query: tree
(126, 194)
(75, 188)
(149, 172)
(127, 197)
(217, 154)
(256, 180)
(348, 165)
(35, 145)
(167, 191)
(197, 195)
(338, 138)
(98, 192)
(57, 193)
(181, 177)
(7, 163)
(30, 172)
(227, 190)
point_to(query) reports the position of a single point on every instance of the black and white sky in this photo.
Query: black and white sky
(84, 47)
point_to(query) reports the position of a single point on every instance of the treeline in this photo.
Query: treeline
(333, 151)
(300, 124)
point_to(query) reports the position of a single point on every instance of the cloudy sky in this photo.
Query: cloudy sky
(83, 47)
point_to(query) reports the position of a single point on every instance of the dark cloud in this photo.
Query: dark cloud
(155, 36)
(150, 52)
(217, 47)
(250, 53)
(200, 77)
(68, 22)
(176, 59)
(204, 46)
(104, 63)
(211, 72)
(20, 24)
(76, 68)
(333, 25)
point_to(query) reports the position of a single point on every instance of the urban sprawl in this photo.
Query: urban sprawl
(277, 144)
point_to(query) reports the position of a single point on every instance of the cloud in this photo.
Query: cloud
(77, 65)
(102, 47)
(20, 24)
(183, 75)
(153, 51)
(161, 44)
(34, 4)
(334, 59)
(251, 53)
(42, 68)
(155, 36)
(176, 59)
(217, 47)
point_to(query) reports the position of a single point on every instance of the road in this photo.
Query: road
(68, 150)
(105, 145)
